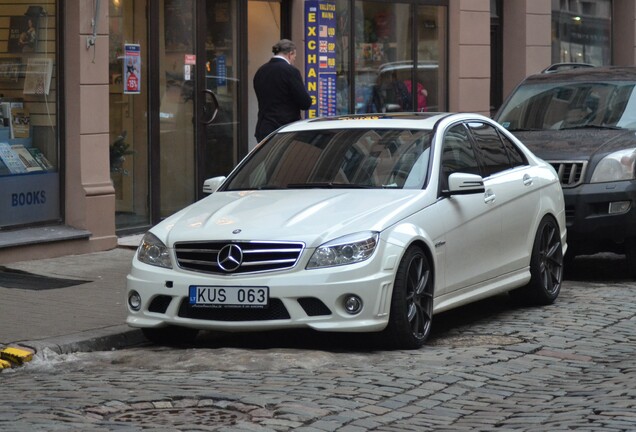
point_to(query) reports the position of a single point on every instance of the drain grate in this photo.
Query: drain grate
(12, 278)
(175, 418)
(180, 414)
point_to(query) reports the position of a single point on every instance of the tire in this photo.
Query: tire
(171, 335)
(546, 267)
(411, 303)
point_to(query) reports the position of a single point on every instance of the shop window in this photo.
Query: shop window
(392, 66)
(383, 55)
(389, 57)
(582, 32)
(430, 74)
(343, 65)
(29, 162)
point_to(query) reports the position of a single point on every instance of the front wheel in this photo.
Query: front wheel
(411, 303)
(546, 266)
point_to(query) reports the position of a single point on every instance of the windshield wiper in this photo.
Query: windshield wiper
(523, 129)
(327, 185)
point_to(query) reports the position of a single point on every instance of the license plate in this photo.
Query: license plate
(238, 297)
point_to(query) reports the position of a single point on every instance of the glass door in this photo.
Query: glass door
(127, 111)
(199, 97)
(219, 87)
(176, 75)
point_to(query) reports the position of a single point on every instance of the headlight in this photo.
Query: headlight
(615, 167)
(345, 250)
(152, 251)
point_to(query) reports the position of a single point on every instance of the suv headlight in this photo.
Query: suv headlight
(615, 167)
(152, 251)
(345, 250)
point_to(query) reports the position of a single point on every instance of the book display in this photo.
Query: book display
(26, 77)
(11, 160)
(29, 140)
(18, 155)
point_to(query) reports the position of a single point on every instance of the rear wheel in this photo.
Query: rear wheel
(411, 303)
(171, 335)
(546, 266)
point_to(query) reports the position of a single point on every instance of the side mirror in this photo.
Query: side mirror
(211, 185)
(464, 184)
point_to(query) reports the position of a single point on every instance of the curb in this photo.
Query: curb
(104, 339)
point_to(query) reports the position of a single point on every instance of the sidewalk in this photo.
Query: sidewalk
(67, 304)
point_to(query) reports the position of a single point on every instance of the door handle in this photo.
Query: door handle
(489, 197)
(210, 106)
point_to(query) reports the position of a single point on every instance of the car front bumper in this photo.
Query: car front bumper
(299, 298)
(591, 223)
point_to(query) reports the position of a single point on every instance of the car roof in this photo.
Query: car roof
(600, 73)
(399, 120)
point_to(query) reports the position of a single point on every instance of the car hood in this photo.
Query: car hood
(576, 144)
(311, 216)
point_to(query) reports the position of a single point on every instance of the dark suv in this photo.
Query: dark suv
(583, 121)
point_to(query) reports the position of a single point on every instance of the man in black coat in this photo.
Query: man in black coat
(280, 90)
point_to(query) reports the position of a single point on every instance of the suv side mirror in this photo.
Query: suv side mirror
(211, 185)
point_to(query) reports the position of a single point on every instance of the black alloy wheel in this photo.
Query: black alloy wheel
(411, 303)
(546, 266)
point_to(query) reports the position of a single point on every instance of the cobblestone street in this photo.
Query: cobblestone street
(491, 366)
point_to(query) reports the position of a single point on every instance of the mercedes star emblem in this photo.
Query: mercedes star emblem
(230, 257)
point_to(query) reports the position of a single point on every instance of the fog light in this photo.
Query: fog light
(618, 207)
(134, 300)
(353, 304)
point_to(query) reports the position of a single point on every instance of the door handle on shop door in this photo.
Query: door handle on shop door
(210, 106)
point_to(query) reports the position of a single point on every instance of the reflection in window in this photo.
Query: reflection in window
(352, 158)
(343, 26)
(392, 71)
(383, 57)
(458, 154)
(582, 31)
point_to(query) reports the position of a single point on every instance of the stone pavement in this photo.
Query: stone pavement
(38, 310)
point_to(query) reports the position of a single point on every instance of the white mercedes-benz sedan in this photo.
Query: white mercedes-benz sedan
(367, 223)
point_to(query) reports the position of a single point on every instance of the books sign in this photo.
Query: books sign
(132, 69)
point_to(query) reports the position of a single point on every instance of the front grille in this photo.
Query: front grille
(245, 257)
(571, 173)
(274, 311)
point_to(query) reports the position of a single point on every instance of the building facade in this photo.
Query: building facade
(115, 111)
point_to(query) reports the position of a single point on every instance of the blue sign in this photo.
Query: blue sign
(320, 56)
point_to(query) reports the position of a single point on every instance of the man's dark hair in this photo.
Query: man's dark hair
(283, 46)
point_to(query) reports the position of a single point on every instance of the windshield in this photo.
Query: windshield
(567, 105)
(337, 158)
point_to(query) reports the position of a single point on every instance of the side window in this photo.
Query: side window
(458, 154)
(517, 158)
(490, 148)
